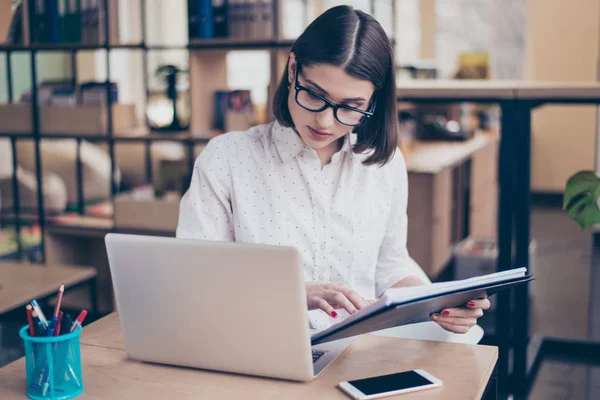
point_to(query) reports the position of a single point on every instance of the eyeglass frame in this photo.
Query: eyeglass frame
(366, 113)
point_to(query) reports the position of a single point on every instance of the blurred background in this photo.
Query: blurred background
(105, 104)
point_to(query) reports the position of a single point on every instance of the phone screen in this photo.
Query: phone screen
(390, 383)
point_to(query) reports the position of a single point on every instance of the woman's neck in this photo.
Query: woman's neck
(326, 153)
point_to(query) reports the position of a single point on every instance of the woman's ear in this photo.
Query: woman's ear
(291, 68)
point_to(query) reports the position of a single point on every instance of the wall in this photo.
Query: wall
(562, 45)
(470, 25)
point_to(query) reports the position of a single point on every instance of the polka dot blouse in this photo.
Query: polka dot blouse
(266, 186)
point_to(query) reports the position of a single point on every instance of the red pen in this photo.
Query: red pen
(29, 310)
(79, 320)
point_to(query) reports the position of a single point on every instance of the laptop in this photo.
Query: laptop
(220, 306)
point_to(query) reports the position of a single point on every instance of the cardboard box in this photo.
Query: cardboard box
(143, 213)
(15, 118)
(85, 120)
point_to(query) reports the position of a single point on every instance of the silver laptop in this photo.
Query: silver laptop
(215, 305)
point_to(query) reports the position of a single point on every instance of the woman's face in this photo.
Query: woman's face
(321, 130)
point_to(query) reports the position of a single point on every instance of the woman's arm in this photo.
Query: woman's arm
(205, 211)
(395, 267)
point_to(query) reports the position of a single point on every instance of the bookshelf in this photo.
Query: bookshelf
(207, 60)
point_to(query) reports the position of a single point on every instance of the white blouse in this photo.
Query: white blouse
(266, 186)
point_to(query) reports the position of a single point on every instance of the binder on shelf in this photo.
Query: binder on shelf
(40, 24)
(265, 19)
(193, 18)
(206, 24)
(414, 304)
(72, 22)
(219, 9)
(86, 7)
(63, 32)
(52, 21)
(233, 18)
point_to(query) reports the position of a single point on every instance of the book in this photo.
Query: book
(234, 8)
(206, 29)
(53, 21)
(40, 25)
(402, 306)
(264, 26)
(220, 18)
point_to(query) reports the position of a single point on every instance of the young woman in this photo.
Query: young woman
(325, 176)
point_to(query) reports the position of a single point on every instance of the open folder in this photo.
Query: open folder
(414, 304)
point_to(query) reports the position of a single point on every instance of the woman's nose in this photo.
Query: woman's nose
(325, 118)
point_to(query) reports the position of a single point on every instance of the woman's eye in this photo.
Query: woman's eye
(313, 96)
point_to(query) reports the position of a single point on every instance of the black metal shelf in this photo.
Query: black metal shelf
(184, 137)
(193, 46)
(74, 47)
(240, 44)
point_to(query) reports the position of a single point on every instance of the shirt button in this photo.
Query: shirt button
(326, 182)
(323, 246)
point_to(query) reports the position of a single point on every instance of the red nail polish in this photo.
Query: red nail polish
(445, 313)
(334, 314)
(471, 303)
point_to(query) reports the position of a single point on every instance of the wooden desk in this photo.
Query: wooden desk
(108, 373)
(475, 90)
(19, 283)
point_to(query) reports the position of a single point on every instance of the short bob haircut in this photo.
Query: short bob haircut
(356, 42)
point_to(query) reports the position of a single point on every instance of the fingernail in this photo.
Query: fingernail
(435, 317)
(334, 314)
(471, 303)
(445, 313)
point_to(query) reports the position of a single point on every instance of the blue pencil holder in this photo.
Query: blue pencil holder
(53, 365)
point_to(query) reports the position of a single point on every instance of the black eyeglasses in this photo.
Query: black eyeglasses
(314, 102)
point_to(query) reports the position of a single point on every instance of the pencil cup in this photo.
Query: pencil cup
(53, 365)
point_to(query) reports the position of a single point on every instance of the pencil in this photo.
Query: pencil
(61, 291)
(29, 311)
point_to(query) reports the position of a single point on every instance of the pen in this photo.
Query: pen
(57, 329)
(29, 310)
(66, 324)
(36, 324)
(61, 291)
(40, 314)
(52, 326)
(79, 320)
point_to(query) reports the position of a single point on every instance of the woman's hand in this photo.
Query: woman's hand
(330, 296)
(460, 320)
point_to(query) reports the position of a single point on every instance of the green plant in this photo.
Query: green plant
(581, 198)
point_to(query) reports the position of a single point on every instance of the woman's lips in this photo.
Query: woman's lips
(318, 135)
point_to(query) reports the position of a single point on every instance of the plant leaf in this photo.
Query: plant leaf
(581, 196)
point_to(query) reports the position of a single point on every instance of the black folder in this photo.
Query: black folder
(387, 313)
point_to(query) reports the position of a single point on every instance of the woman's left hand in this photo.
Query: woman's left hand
(460, 320)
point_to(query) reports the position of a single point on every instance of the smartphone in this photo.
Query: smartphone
(387, 385)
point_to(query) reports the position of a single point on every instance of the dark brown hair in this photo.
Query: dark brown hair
(355, 41)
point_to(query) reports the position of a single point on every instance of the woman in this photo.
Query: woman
(325, 176)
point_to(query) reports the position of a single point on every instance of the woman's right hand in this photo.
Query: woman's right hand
(331, 296)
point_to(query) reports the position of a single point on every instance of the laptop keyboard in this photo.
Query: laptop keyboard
(316, 354)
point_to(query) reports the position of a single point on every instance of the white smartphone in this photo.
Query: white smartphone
(387, 385)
